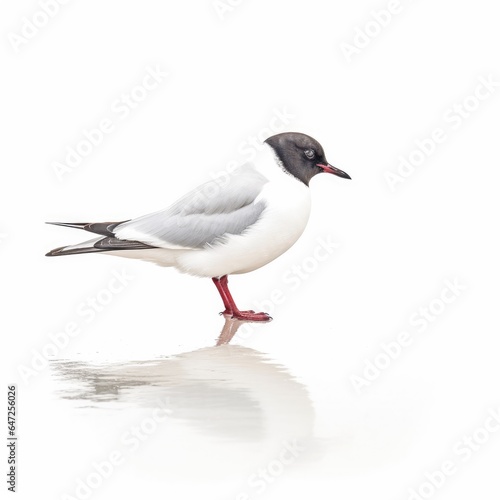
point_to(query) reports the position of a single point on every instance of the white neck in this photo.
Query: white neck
(270, 166)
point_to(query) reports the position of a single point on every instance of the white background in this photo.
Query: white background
(229, 73)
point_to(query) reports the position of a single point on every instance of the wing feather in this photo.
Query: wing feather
(203, 215)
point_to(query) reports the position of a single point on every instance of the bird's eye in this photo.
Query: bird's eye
(309, 153)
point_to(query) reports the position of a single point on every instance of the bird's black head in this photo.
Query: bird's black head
(302, 156)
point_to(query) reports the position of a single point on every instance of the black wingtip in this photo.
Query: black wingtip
(73, 251)
(75, 225)
(102, 228)
(55, 252)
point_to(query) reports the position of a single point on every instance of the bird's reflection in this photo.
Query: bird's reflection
(227, 391)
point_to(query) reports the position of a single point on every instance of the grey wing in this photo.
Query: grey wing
(214, 209)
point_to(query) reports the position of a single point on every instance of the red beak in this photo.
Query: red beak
(330, 169)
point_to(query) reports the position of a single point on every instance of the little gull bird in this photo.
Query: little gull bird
(223, 228)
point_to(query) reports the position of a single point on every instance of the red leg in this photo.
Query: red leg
(230, 307)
